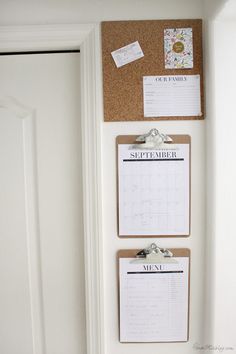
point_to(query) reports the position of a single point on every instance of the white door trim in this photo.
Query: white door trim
(86, 38)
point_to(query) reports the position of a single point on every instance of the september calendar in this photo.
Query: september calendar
(154, 191)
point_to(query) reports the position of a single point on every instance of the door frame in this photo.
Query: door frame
(85, 37)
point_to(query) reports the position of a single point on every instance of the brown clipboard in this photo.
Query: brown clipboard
(177, 252)
(130, 139)
(123, 87)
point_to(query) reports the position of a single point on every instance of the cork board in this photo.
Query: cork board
(131, 139)
(123, 87)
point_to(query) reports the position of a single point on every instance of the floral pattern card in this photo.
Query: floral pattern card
(178, 45)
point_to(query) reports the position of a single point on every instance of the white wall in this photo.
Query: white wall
(225, 178)
(221, 75)
(84, 11)
(196, 242)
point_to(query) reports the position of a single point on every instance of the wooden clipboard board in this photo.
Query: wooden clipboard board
(123, 87)
(177, 252)
(130, 139)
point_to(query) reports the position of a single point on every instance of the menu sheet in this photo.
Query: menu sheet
(154, 301)
(154, 191)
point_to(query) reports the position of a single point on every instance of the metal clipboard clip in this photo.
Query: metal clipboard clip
(154, 140)
(154, 254)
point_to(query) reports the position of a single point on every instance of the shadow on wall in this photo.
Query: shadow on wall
(214, 8)
(228, 11)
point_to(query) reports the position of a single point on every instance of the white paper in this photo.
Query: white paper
(153, 191)
(154, 301)
(172, 96)
(127, 54)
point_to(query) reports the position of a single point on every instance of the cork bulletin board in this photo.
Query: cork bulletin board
(123, 86)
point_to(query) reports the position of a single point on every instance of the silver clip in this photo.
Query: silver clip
(154, 140)
(154, 254)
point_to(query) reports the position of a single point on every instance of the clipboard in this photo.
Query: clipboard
(159, 213)
(138, 315)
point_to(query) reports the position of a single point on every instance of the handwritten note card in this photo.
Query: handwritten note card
(127, 54)
(153, 191)
(154, 301)
(172, 96)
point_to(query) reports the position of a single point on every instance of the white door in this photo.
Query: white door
(42, 304)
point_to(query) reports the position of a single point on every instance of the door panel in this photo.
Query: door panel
(42, 266)
(15, 293)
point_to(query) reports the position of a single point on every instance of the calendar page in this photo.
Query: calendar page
(153, 191)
